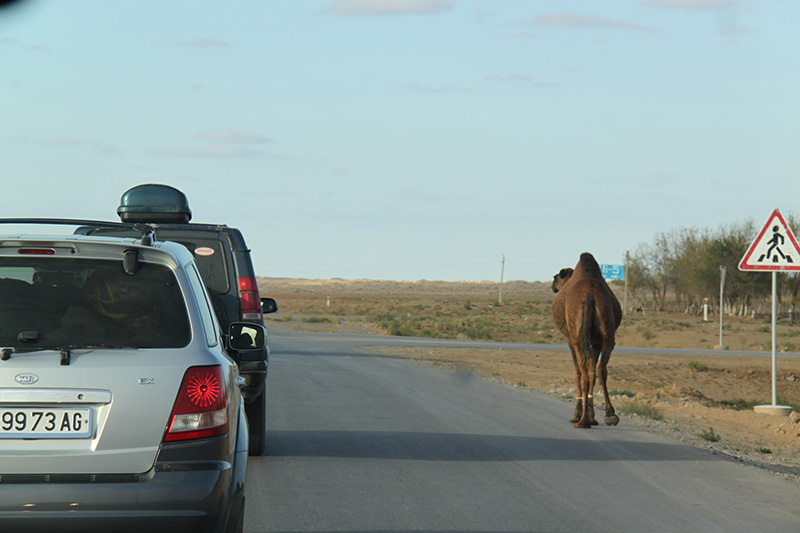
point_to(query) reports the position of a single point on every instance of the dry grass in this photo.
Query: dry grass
(472, 311)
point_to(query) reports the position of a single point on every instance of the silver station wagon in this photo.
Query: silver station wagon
(119, 408)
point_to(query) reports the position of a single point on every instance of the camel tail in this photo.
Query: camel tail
(587, 321)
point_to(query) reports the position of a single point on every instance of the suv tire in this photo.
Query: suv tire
(256, 412)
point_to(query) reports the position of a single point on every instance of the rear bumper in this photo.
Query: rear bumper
(255, 372)
(174, 496)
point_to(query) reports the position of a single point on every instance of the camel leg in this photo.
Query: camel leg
(584, 422)
(578, 396)
(578, 399)
(578, 410)
(611, 418)
(592, 381)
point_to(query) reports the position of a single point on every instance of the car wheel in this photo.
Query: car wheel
(256, 412)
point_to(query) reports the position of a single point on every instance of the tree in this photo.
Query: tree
(687, 261)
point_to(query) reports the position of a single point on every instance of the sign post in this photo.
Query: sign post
(774, 249)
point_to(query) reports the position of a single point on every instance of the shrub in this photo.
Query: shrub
(709, 435)
(697, 367)
(478, 332)
(739, 404)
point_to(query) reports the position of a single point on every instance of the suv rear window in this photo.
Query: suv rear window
(209, 257)
(60, 302)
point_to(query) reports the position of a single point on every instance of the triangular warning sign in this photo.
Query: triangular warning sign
(775, 248)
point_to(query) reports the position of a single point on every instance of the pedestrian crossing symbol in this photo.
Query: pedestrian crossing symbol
(775, 248)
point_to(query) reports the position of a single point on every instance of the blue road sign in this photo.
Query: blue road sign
(611, 272)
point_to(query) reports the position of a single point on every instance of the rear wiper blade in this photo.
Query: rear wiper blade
(107, 346)
(6, 353)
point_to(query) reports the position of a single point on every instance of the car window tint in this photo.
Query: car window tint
(209, 255)
(57, 302)
(209, 322)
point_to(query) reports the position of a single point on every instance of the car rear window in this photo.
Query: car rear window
(70, 302)
(209, 256)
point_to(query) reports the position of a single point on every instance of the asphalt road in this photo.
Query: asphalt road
(362, 442)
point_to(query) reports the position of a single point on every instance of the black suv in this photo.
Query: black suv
(224, 262)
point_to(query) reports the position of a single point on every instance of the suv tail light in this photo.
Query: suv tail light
(250, 301)
(201, 409)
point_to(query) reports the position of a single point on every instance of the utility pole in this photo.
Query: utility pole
(502, 271)
(627, 274)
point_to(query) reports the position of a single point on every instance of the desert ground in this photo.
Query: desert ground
(699, 399)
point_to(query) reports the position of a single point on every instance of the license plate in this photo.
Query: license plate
(38, 423)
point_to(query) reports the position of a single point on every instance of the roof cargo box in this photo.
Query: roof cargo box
(154, 203)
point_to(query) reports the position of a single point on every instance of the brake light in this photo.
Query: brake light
(201, 409)
(250, 300)
(36, 251)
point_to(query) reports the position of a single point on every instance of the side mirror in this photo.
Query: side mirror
(268, 305)
(247, 336)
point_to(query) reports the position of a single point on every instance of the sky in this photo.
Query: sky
(452, 140)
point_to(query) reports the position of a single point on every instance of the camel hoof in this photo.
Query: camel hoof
(594, 423)
(612, 420)
(574, 419)
(583, 425)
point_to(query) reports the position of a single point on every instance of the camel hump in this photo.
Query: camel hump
(588, 265)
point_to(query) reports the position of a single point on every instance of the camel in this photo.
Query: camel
(588, 314)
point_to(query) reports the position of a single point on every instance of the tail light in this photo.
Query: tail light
(201, 409)
(249, 299)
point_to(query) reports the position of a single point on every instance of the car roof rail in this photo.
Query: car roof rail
(147, 232)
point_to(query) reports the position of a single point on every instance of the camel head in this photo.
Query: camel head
(561, 278)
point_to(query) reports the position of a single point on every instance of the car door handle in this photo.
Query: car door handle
(240, 381)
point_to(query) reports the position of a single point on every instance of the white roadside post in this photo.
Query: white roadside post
(774, 340)
(774, 249)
